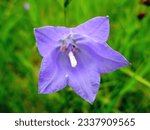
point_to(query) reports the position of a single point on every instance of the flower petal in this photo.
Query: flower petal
(48, 36)
(84, 78)
(53, 76)
(106, 58)
(96, 28)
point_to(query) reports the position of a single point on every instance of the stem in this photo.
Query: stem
(137, 77)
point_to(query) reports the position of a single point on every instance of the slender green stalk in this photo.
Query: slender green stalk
(137, 77)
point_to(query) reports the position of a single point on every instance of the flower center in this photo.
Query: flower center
(69, 47)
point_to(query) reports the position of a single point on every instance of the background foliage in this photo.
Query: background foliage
(125, 90)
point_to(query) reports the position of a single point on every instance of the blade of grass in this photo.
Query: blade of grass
(136, 77)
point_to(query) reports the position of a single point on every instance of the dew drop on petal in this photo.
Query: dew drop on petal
(66, 75)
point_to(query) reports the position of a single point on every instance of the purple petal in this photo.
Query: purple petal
(106, 58)
(52, 77)
(84, 78)
(47, 37)
(96, 28)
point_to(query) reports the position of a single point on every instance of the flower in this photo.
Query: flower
(76, 57)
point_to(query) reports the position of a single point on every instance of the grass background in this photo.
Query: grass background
(125, 90)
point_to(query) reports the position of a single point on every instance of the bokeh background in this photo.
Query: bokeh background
(125, 90)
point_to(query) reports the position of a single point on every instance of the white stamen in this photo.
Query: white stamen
(72, 59)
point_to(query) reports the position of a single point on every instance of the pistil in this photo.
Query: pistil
(72, 59)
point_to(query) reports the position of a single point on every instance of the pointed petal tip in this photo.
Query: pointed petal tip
(43, 91)
(126, 62)
(91, 102)
(35, 29)
(104, 17)
(40, 91)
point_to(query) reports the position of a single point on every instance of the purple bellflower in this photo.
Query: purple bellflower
(76, 57)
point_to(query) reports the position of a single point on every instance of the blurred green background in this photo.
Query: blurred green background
(125, 90)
